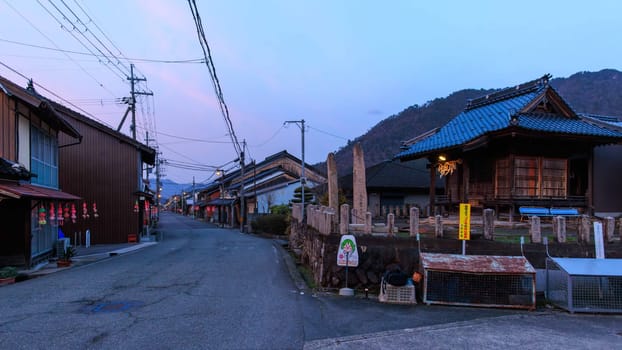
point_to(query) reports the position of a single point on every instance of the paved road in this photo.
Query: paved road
(209, 288)
(201, 288)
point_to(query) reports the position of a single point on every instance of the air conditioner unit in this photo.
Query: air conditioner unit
(61, 246)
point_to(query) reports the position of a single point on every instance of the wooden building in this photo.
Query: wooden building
(521, 146)
(391, 184)
(269, 182)
(30, 196)
(106, 170)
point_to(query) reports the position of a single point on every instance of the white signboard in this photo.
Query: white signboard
(348, 255)
(599, 243)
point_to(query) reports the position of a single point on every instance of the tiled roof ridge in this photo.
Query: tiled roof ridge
(510, 92)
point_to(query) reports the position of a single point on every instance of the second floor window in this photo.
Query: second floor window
(43, 157)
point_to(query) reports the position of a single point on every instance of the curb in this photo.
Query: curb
(301, 285)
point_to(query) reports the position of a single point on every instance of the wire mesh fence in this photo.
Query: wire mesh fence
(583, 293)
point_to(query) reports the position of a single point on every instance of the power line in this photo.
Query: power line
(327, 133)
(214, 77)
(147, 60)
(53, 93)
(271, 137)
(53, 43)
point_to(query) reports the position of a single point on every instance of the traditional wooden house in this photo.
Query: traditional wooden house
(32, 206)
(391, 184)
(106, 169)
(269, 182)
(521, 146)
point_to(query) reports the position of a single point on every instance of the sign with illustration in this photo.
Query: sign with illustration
(348, 255)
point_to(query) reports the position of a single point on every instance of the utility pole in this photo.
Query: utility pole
(194, 202)
(132, 101)
(242, 195)
(303, 180)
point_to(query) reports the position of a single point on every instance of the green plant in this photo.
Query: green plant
(8, 272)
(281, 209)
(272, 223)
(69, 253)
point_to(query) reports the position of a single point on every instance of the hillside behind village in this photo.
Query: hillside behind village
(590, 92)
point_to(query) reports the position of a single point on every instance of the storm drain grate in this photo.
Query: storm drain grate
(113, 306)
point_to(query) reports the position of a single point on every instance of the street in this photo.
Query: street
(211, 288)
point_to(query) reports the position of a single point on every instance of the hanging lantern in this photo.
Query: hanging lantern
(95, 214)
(136, 207)
(73, 213)
(42, 215)
(59, 215)
(66, 215)
(52, 213)
(85, 211)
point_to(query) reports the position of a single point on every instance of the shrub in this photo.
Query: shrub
(272, 223)
(8, 272)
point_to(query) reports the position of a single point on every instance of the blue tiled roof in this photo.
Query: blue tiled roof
(484, 118)
(472, 123)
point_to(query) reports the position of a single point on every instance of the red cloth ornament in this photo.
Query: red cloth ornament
(85, 211)
(52, 212)
(73, 213)
(95, 214)
(59, 215)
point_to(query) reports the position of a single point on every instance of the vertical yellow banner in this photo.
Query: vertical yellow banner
(464, 232)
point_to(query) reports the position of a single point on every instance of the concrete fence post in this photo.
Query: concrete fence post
(560, 229)
(344, 220)
(390, 224)
(584, 229)
(368, 223)
(414, 221)
(610, 227)
(535, 230)
(489, 224)
(438, 226)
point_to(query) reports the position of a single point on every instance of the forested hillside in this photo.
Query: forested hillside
(590, 92)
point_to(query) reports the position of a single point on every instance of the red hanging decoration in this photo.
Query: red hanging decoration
(59, 215)
(85, 211)
(95, 214)
(42, 216)
(52, 213)
(66, 215)
(136, 207)
(73, 213)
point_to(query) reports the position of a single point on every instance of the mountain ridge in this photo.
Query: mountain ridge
(586, 92)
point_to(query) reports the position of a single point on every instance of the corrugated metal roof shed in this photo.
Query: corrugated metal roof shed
(590, 267)
(476, 263)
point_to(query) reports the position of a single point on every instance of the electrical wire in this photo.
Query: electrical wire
(147, 60)
(214, 77)
(53, 43)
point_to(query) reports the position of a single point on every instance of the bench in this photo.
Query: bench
(541, 211)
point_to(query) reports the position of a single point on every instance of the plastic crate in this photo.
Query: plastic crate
(397, 295)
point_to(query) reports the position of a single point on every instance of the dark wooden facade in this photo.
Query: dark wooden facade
(106, 169)
(23, 241)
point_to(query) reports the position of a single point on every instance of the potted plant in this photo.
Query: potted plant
(7, 275)
(65, 258)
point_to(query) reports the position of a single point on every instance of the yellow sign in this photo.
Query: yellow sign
(464, 232)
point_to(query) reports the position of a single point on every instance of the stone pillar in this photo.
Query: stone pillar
(560, 229)
(333, 189)
(344, 219)
(390, 224)
(609, 227)
(584, 229)
(414, 221)
(438, 226)
(535, 230)
(368, 223)
(359, 185)
(489, 224)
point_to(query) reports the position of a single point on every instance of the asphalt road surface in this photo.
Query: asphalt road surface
(203, 287)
